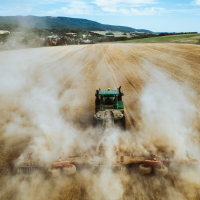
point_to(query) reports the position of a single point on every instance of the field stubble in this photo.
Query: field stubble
(47, 104)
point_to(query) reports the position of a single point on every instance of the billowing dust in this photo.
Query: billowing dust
(47, 106)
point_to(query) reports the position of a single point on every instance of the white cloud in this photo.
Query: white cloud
(74, 8)
(134, 11)
(81, 8)
(16, 10)
(196, 2)
(121, 2)
(100, 2)
(189, 11)
(104, 7)
(128, 7)
(109, 9)
(147, 11)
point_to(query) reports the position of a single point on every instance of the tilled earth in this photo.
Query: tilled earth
(81, 70)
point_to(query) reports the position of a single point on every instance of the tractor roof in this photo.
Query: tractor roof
(109, 92)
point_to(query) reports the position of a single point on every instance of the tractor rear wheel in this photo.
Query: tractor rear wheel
(161, 172)
(69, 170)
(54, 172)
(145, 170)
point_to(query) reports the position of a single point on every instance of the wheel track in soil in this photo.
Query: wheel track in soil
(114, 70)
(86, 68)
(117, 63)
(182, 70)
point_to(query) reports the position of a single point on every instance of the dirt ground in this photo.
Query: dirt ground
(80, 70)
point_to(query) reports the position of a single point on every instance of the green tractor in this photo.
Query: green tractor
(109, 109)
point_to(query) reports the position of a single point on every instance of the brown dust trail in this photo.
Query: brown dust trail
(60, 83)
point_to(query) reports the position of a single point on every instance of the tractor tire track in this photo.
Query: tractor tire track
(83, 69)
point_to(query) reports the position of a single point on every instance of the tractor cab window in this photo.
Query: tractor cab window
(109, 99)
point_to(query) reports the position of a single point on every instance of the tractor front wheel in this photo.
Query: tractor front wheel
(54, 172)
(145, 170)
(69, 170)
(161, 171)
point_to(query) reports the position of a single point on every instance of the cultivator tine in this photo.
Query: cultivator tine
(28, 170)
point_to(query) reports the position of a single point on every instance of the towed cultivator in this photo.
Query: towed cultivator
(29, 166)
(109, 109)
(101, 162)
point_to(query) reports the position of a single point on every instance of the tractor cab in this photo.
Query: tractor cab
(108, 102)
(108, 99)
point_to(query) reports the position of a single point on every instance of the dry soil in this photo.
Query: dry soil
(83, 69)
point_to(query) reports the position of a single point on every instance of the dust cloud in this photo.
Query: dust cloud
(44, 111)
(168, 112)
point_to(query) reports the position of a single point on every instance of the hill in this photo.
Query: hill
(64, 22)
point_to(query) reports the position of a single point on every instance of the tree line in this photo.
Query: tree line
(34, 37)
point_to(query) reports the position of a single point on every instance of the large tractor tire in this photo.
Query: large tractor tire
(145, 170)
(161, 172)
(69, 170)
(122, 123)
(54, 172)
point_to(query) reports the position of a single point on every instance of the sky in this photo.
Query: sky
(154, 15)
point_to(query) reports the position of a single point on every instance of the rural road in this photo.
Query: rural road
(72, 74)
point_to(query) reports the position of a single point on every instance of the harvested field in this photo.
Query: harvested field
(47, 105)
(182, 38)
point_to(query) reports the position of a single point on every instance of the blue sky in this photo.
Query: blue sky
(154, 15)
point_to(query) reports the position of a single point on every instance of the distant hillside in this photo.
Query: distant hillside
(64, 22)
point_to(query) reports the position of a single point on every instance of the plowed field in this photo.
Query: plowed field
(60, 83)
